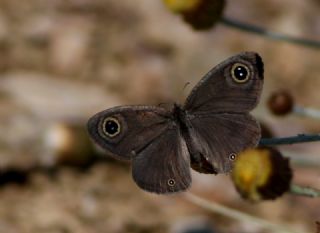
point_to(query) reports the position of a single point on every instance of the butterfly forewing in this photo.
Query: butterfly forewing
(220, 92)
(124, 131)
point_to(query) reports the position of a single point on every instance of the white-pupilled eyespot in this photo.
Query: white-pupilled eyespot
(111, 127)
(171, 182)
(232, 156)
(240, 73)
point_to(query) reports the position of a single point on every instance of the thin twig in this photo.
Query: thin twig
(300, 138)
(236, 214)
(273, 35)
(304, 191)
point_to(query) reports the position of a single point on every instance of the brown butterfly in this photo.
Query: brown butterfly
(206, 133)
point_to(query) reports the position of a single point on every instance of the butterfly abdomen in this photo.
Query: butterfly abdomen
(197, 159)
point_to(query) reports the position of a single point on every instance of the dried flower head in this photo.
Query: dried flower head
(261, 174)
(200, 14)
(68, 144)
(281, 103)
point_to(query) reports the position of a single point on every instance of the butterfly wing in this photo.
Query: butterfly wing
(148, 137)
(218, 138)
(163, 166)
(219, 92)
(125, 130)
(218, 113)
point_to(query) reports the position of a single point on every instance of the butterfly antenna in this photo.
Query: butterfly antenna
(185, 85)
(183, 89)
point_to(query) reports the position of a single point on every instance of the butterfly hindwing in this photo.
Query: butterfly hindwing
(217, 139)
(163, 166)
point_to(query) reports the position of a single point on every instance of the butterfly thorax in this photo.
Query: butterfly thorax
(179, 116)
(181, 119)
(197, 159)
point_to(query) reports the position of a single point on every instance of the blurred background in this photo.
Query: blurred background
(63, 61)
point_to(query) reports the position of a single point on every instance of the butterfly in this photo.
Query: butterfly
(206, 133)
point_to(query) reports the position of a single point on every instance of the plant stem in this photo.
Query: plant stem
(273, 35)
(300, 138)
(300, 160)
(310, 163)
(304, 191)
(307, 112)
(236, 214)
